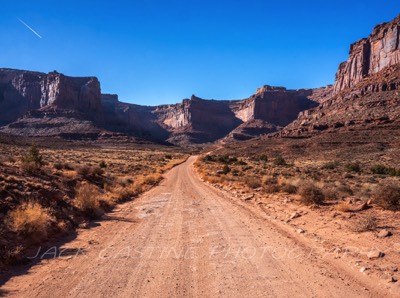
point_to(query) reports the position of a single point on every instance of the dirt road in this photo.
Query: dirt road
(187, 239)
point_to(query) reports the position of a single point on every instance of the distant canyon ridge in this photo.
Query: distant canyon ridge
(36, 104)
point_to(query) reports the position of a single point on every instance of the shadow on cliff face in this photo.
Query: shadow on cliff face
(13, 104)
(211, 120)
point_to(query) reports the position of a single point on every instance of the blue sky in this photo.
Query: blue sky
(153, 51)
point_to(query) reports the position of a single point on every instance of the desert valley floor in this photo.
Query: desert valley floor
(186, 238)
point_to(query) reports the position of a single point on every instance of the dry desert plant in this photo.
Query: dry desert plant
(30, 219)
(87, 199)
(343, 207)
(253, 182)
(387, 196)
(365, 224)
(311, 194)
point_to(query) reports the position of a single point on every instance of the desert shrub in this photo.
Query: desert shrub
(289, 188)
(58, 165)
(31, 220)
(353, 167)
(365, 224)
(151, 179)
(280, 161)
(29, 167)
(330, 192)
(87, 199)
(387, 196)
(223, 158)
(32, 161)
(383, 170)
(269, 180)
(272, 188)
(103, 164)
(270, 184)
(241, 163)
(330, 165)
(168, 156)
(263, 158)
(378, 169)
(122, 193)
(253, 182)
(98, 171)
(226, 169)
(68, 166)
(83, 170)
(311, 194)
(334, 192)
(209, 158)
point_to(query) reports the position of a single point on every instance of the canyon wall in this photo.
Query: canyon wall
(370, 55)
(23, 91)
(39, 104)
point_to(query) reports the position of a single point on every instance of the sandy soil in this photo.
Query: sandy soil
(185, 238)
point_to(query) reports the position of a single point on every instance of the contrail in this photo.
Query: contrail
(27, 26)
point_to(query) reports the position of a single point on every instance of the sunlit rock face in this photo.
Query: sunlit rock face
(370, 55)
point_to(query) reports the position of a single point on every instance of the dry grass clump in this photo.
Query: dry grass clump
(124, 191)
(150, 179)
(365, 224)
(97, 171)
(343, 207)
(311, 194)
(387, 196)
(70, 174)
(83, 170)
(289, 188)
(30, 219)
(214, 179)
(253, 182)
(270, 184)
(330, 165)
(87, 199)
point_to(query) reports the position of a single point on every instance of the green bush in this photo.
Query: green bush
(58, 165)
(383, 170)
(226, 169)
(353, 167)
(330, 165)
(280, 161)
(102, 164)
(32, 160)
